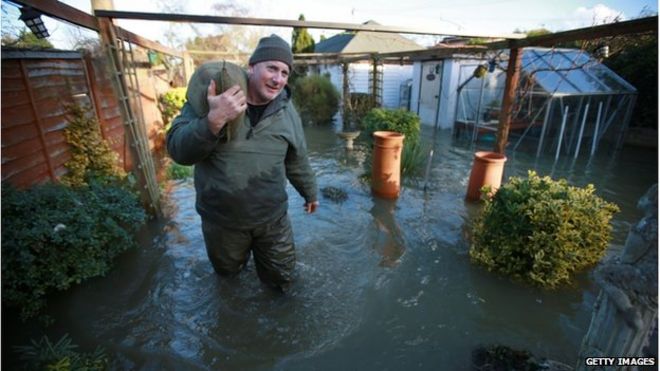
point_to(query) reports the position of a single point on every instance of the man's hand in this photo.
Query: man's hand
(310, 207)
(224, 107)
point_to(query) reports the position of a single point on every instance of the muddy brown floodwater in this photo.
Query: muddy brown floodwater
(380, 284)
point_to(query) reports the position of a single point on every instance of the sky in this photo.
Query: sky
(476, 16)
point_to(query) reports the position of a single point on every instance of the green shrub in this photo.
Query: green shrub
(541, 231)
(170, 104)
(316, 99)
(399, 120)
(54, 236)
(176, 171)
(413, 159)
(62, 355)
(91, 155)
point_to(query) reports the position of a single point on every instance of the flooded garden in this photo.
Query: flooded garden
(381, 284)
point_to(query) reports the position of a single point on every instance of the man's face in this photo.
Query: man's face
(267, 79)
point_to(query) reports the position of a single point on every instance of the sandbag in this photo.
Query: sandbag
(226, 75)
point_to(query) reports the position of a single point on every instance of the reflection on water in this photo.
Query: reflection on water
(390, 242)
(380, 284)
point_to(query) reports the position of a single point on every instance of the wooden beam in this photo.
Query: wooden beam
(510, 88)
(435, 53)
(146, 43)
(641, 25)
(291, 23)
(56, 9)
(63, 12)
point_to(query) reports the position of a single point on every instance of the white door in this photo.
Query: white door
(429, 94)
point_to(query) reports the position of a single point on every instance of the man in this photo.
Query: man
(240, 183)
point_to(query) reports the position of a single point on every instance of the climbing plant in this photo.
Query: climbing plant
(91, 156)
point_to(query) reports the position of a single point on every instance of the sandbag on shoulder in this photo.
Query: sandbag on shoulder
(226, 75)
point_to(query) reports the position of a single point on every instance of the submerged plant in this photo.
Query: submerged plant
(542, 231)
(413, 154)
(61, 355)
(54, 236)
(399, 120)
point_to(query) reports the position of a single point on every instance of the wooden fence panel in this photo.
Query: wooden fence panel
(34, 92)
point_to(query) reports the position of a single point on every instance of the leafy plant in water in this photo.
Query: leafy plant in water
(500, 357)
(91, 155)
(54, 236)
(542, 231)
(62, 355)
(316, 99)
(413, 154)
(399, 120)
(413, 158)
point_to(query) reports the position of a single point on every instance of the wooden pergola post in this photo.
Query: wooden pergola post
(512, 78)
(374, 80)
(346, 94)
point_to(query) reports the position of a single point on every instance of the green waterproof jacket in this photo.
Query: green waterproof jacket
(242, 183)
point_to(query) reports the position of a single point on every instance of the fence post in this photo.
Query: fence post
(626, 311)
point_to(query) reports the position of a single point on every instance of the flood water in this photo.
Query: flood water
(381, 285)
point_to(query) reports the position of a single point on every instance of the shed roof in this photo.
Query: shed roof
(366, 42)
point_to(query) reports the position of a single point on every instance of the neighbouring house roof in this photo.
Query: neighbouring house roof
(366, 42)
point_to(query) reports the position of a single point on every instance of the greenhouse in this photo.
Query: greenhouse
(568, 103)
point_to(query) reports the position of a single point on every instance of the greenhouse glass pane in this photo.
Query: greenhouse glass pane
(552, 82)
(578, 57)
(606, 77)
(557, 60)
(584, 81)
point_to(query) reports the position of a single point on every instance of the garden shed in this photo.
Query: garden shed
(390, 76)
(568, 100)
(435, 80)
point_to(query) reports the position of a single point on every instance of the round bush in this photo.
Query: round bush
(541, 231)
(316, 99)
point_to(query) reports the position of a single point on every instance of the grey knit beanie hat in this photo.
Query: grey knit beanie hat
(272, 48)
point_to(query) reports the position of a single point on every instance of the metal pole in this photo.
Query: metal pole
(626, 122)
(419, 91)
(476, 119)
(435, 134)
(579, 140)
(561, 132)
(574, 125)
(530, 126)
(594, 140)
(545, 125)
